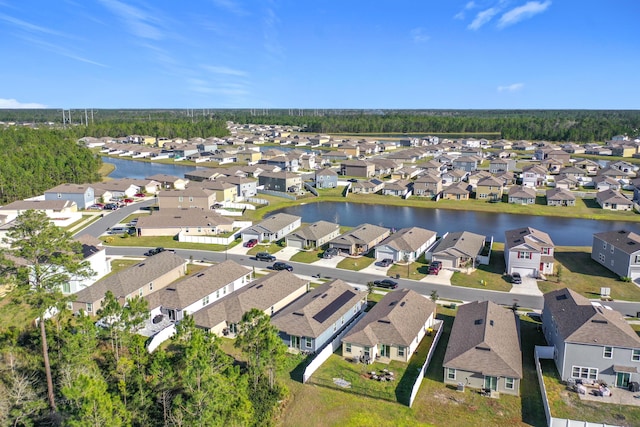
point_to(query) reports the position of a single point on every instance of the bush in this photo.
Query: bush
(625, 279)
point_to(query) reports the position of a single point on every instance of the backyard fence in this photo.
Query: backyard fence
(542, 352)
(160, 337)
(438, 327)
(328, 350)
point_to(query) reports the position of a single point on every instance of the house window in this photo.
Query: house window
(451, 374)
(604, 245)
(218, 294)
(347, 347)
(140, 292)
(612, 249)
(524, 255)
(509, 383)
(307, 342)
(635, 355)
(180, 198)
(205, 300)
(59, 195)
(546, 251)
(611, 263)
(584, 373)
(601, 257)
(335, 327)
(367, 351)
(401, 350)
(608, 352)
(66, 288)
(199, 229)
(636, 260)
(151, 286)
(191, 198)
(89, 307)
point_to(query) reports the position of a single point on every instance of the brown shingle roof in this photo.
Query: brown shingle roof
(300, 318)
(395, 320)
(485, 339)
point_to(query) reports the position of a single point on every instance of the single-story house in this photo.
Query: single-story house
(171, 221)
(406, 244)
(522, 195)
(560, 197)
(360, 240)
(313, 235)
(459, 249)
(272, 228)
(613, 200)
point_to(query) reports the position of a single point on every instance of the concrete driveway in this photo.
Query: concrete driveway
(442, 278)
(529, 286)
(286, 253)
(330, 262)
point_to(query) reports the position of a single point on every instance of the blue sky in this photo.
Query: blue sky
(385, 54)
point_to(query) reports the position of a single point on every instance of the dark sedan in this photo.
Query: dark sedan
(386, 283)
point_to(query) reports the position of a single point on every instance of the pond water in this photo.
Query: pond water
(139, 170)
(563, 231)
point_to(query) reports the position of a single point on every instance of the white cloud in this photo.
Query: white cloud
(230, 6)
(217, 69)
(511, 88)
(13, 103)
(27, 26)
(483, 17)
(138, 21)
(418, 35)
(460, 15)
(523, 12)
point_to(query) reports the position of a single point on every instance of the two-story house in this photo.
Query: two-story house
(591, 342)
(489, 189)
(190, 197)
(618, 251)
(529, 252)
(326, 178)
(359, 168)
(82, 195)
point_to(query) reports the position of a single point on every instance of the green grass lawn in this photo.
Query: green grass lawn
(308, 257)
(567, 404)
(355, 264)
(271, 248)
(489, 277)
(163, 241)
(415, 271)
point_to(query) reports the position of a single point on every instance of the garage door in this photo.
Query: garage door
(524, 272)
(294, 243)
(383, 254)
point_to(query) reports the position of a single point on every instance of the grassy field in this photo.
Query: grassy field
(163, 241)
(308, 256)
(356, 264)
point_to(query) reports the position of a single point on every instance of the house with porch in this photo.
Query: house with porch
(372, 186)
(613, 200)
(427, 185)
(399, 188)
(280, 181)
(392, 329)
(484, 349)
(457, 191)
(270, 294)
(522, 195)
(618, 251)
(319, 316)
(360, 240)
(313, 235)
(591, 341)
(529, 252)
(490, 188)
(560, 197)
(406, 244)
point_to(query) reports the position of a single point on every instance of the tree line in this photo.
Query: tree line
(70, 371)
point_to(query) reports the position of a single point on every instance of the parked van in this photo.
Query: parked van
(118, 230)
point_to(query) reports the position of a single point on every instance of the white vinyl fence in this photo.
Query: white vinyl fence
(439, 327)
(161, 337)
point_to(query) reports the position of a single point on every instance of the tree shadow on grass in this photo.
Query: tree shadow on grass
(583, 263)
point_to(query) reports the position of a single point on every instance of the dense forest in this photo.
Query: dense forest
(71, 370)
(550, 125)
(33, 161)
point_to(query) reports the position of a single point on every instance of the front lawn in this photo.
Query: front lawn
(308, 257)
(415, 271)
(489, 277)
(162, 241)
(355, 264)
(271, 248)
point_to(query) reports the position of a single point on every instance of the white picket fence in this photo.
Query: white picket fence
(439, 327)
(161, 337)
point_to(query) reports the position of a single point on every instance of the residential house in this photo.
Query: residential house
(522, 195)
(200, 175)
(225, 191)
(280, 181)
(398, 188)
(358, 168)
(490, 189)
(574, 172)
(454, 176)
(326, 178)
(625, 167)
(384, 166)
(560, 197)
(83, 195)
(119, 188)
(405, 245)
(272, 228)
(95, 254)
(553, 166)
(406, 173)
(588, 165)
(270, 294)
(167, 182)
(151, 274)
(367, 187)
(476, 176)
(191, 222)
(360, 240)
(427, 185)
(459, 249)
(245, 187)
(434, 168)
(287, 162)
(457, 191)
(313, 235)
(60, 212)
(618, 251)
(502, 165)
(591, 341)
(613, 200)
(534, 176)
(330, 157)
(567, 182)
(190, 197)
(392, 329)
(317, 317)
(484, 349)
(199, 290)
(529, 252)
(467, 163)
(602, 182)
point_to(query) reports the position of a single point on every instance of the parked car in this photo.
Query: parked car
(111, 206)
(434, 267)
(352, 180)
(96, 207)
(330, 253)
(386, 262)
(282, 266)
(386, 283)
(155, 251)
(140, 195)
(251, 243)
(516, 279)
(126, 201)
(265, 256)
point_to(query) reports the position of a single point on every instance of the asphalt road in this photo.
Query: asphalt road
(444, 291)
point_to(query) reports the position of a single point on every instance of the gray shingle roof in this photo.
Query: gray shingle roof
(560, 194)
(395, 320)
(275, 223)
(176, 218)
(365, 233)
(300, 318)
(131, 279)
(261, 294)
(526, 235)
(408, 239)
(626, 241)
(485, 339)
(462, 242)
(316, 230)
(580, 321)
(185, 292)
